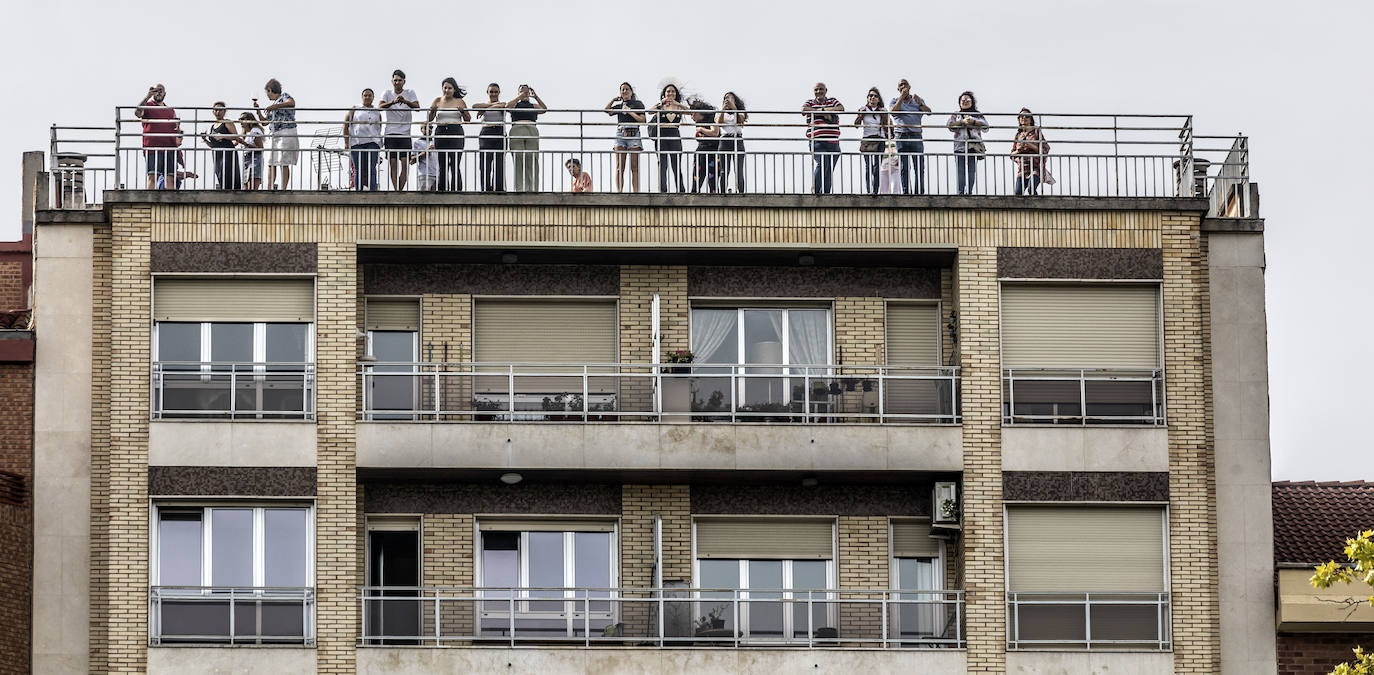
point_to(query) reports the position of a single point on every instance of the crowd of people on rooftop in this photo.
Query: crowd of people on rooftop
(265, 142)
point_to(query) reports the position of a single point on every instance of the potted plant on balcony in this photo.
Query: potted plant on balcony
(713, 621)
(679, 356)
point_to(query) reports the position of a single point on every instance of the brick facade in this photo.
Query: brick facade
(16, 516)
(974, 559)
(1317, 653)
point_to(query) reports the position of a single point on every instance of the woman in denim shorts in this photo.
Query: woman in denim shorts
(627, 138)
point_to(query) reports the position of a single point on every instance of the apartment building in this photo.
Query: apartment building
(401, 432)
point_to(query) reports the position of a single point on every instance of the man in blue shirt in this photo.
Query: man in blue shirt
(907, 111)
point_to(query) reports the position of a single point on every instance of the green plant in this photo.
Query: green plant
(679, 356)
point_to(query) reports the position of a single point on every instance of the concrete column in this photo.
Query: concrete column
(62, 444)
(1240, 385)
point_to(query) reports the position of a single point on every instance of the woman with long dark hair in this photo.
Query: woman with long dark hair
(967, 125)
(493, 140)
(1028, 150)
(877, 128)
(667, 138)
(446, 116)
(730, 122)
(704, 160)
(627, 141)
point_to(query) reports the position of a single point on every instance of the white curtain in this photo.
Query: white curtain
(710, 330)
(809, 339)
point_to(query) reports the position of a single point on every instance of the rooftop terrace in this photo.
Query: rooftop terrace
(1111, 156)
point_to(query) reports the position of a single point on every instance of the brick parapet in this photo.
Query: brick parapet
(101, 345)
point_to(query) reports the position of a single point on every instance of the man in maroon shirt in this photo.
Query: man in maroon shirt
(161, 135)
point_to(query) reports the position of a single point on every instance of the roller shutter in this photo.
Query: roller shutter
(765, 538)
(913, 339)
(1085, 548)
(911, 539)
(1083, 326)
(393, 314)
(545, 331)
(248, 300)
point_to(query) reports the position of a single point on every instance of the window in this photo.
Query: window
(918, 565)
(236, 574)
(759, 578)
(767, 338)
(1081, 354)
(233, 348)
(233, 369)
(576, 332)
(556, 576)
(913, 345)
(1087, 577)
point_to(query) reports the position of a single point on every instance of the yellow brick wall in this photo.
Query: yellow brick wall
(862, 564)
(336, 573)
(980, 360)
(448, 550)
(446, 334)
(100, 449)
(637, 287)
(1192, 476)
(130, 354)
(639, 504)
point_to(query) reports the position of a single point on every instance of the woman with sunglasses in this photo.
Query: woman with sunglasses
(877, 126)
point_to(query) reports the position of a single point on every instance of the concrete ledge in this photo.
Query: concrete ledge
(212, 443)
(563, 199)
(93, 214)
(1248, 225)
(606, 661)
(226, 660)
(659, 446)
(1085, 663)
(1045, 448)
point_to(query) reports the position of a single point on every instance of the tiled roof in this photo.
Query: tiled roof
(1312, 520)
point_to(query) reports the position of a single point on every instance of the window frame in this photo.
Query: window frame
(259, 341)
(787, 370)
(259, 509)
(572, 604)
(894, 575)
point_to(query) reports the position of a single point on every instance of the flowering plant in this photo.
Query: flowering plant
(679, 356)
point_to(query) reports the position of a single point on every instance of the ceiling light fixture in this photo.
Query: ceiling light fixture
(511, 478)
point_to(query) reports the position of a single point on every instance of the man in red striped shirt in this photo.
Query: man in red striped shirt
(824, 132)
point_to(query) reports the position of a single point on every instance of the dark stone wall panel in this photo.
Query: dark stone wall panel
(231, 481)
(532, 498)
(1080, 263)
(793, 499)
(1085, 486)
(230, 257)
(813, 282)
(384, 279)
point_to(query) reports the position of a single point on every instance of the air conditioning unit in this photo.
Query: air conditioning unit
(945, 503)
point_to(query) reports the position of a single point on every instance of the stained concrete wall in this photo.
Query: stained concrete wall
(1084, 449)
(199, 443)
(659, 446)
(229, 660)
(1240, 382)
(62, 444)
(613, 661)
(1094, 663)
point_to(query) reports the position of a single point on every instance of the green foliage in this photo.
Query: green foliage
(1360, 552)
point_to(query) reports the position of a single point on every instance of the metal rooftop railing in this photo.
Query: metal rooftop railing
(1088, 155)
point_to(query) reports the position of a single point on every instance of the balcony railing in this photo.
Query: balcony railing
(620, 392)
(231, 615)
(662, 617)
(1091, 155)
(1083, 396)
(233, 390)
(1088, 621)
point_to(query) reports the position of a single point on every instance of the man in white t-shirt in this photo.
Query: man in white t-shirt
(398, 103)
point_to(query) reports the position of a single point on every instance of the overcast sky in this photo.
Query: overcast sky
(1294, 76)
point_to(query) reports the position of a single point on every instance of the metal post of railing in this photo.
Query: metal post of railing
(1083, 397)
(953, 396)
(510, 390)
(511, 616)
(438, 629)
(585, 393)
(806, 395)
(886, 596)
(959, 618)
(661, 607)
(1088, 621)
(437, 389)
(1116, 157)
(233, 388)
(734, 393)
(1159, 619)
(882, 378)
(1154, 397)
(738, 627)
(810, 614)
(232, 612)
(363, 379)
(362, 607)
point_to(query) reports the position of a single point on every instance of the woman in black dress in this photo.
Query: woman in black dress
(667, 137)
(221, 140)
